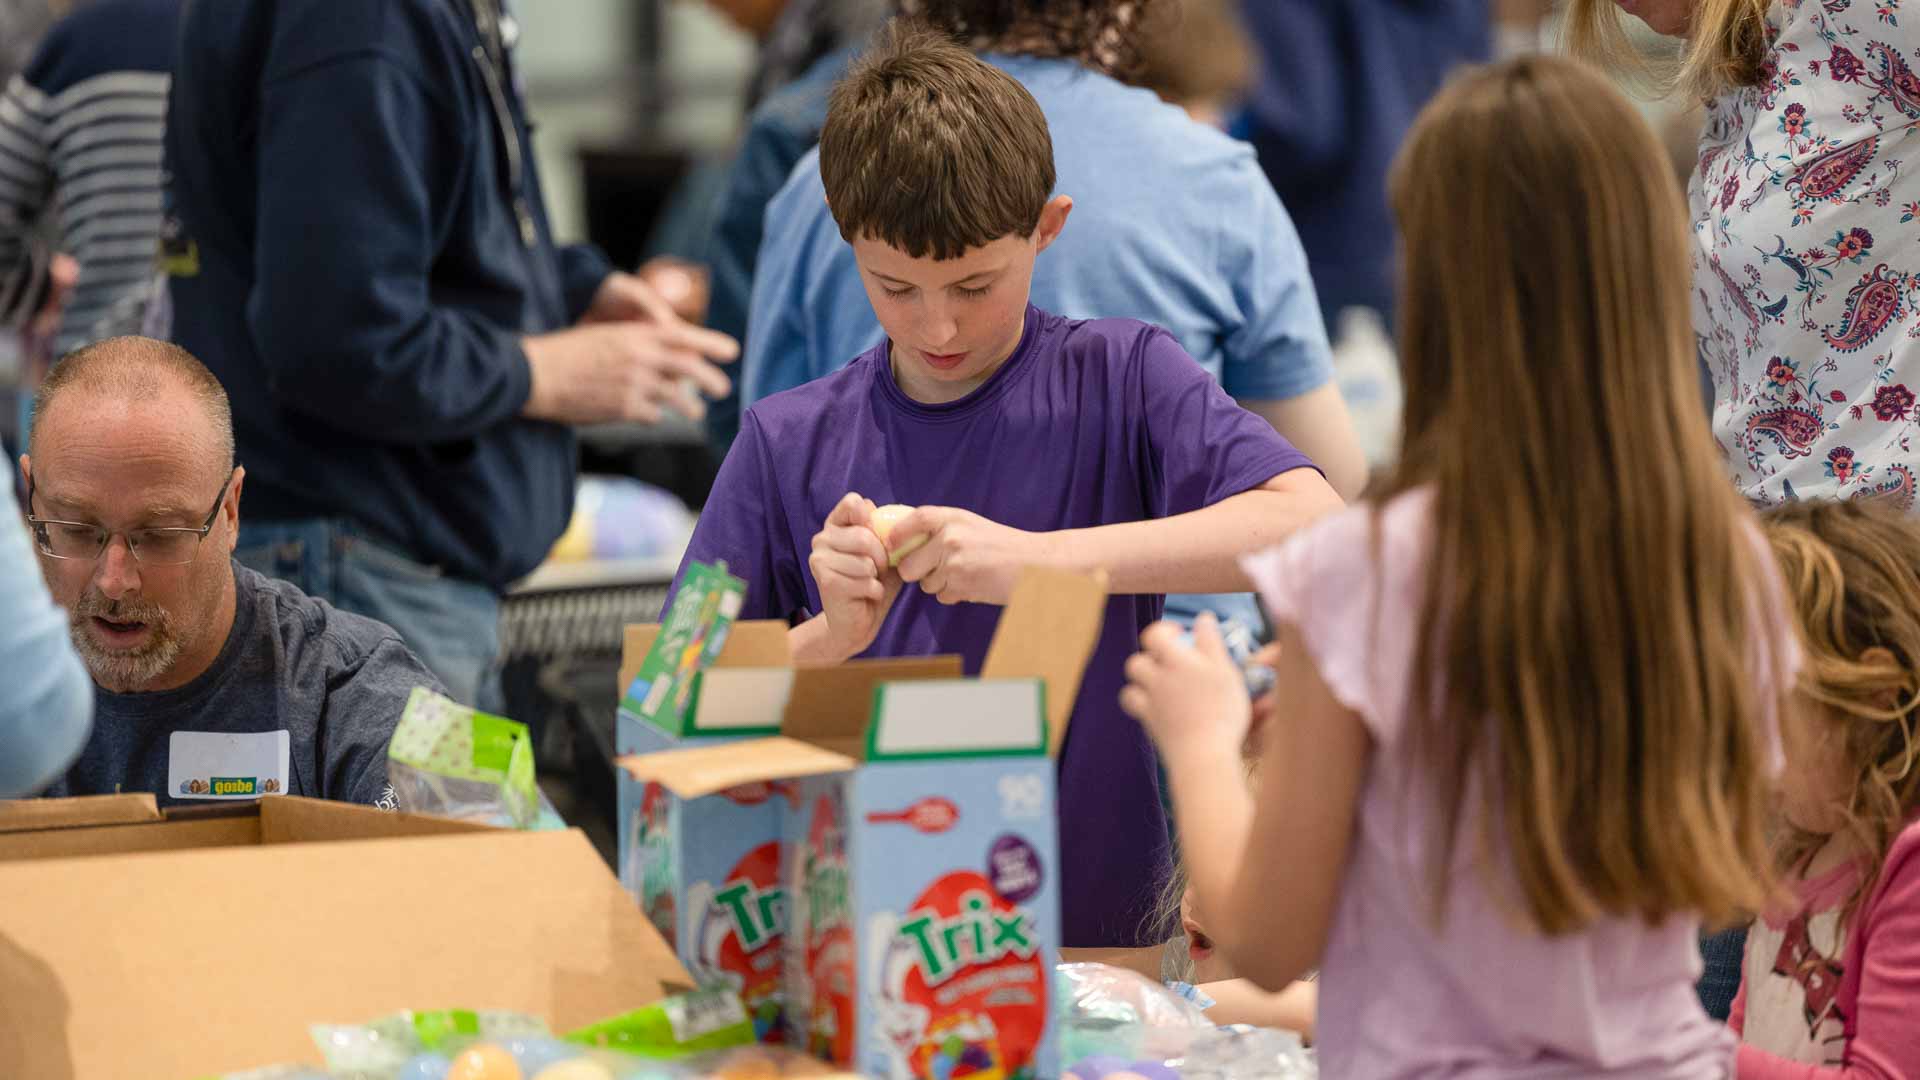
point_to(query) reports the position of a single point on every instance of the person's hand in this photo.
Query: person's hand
(629, 371)
(685, 286)
(625, 297)
(1191, 698)
(1265, 707)
(63, 273)
(963, 557)
(849, 564)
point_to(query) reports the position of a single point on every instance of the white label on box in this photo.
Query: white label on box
(696, 1015)
(733, 698)
(960, 716)
(219, 765)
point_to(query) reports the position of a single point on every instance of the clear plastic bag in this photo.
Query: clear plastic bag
(1117, 1024)
(449, 760)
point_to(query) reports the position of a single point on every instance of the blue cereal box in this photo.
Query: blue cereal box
(920, 855)
(706, 871)
(702, 855)
(925, 907)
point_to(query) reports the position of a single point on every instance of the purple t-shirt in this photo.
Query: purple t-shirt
(1089, 423)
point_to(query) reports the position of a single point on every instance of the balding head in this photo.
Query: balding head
(138, 369)
(132, 439)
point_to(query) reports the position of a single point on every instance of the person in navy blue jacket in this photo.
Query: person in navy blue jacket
(360, 253)
(1340, 85)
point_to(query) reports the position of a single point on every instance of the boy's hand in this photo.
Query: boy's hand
(1191, 698)
(849, 564)
(966, 558)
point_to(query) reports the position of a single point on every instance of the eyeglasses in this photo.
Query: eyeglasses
(160, 546)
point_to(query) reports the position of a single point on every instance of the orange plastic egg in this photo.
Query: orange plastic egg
(484, 1062)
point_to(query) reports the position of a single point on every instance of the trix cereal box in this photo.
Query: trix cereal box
(924, 888)
(704, 866)
(921, 864)
(706, 872)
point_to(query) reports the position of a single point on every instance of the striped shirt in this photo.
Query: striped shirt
(80, 138)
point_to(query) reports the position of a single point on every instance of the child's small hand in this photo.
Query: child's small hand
(966, 558)
(1190, 698)
(850, 566)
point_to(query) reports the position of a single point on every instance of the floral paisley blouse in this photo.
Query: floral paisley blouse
(1807, 256)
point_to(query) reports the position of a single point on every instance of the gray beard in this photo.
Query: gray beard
(123, 671)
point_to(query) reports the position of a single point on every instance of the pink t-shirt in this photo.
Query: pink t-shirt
(1820, 1003)
(1482, 998)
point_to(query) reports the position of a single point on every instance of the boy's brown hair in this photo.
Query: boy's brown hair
(929, 149)
(1853, 576)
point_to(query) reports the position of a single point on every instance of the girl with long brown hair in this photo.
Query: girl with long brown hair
(1530, 693)
(1833, 979)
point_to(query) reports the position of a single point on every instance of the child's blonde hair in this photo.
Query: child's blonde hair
(1585, 663)
(1853, 574)
(1726, 46)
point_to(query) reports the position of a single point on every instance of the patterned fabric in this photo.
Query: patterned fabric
(1806, 269)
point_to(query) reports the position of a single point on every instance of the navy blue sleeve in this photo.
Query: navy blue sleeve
(1300, 101)
(774, 141)
(583, 268)
(352, 153)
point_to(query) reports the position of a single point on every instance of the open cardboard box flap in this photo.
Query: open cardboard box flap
(33, 815)
(216, 953)
(1047, 631)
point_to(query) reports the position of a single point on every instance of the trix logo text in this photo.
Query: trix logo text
(946, 945)
(757, 914)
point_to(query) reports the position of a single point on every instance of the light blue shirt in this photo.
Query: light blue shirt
(46, 696)
(1173, 223)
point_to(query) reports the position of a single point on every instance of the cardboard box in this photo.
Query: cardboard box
(167, 946)
(921, 866)
(706, 870)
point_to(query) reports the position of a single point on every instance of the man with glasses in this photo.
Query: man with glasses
(210, 680)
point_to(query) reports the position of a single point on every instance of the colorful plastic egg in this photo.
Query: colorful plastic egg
(882, 522)
(484, 1062)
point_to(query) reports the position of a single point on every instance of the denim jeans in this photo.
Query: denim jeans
(1723, 953)
(453, 626)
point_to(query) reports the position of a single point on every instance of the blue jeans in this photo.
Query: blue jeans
(1723, 953)
(453, 626)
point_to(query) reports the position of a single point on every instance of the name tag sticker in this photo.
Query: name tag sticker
(217, 765)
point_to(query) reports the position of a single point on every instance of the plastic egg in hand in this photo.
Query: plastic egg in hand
(882, 523)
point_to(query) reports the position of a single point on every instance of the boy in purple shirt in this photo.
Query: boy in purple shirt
(1023, 438)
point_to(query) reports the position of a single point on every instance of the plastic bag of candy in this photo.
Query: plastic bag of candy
(664, 1041)
(1117, 1024)
(452, 761)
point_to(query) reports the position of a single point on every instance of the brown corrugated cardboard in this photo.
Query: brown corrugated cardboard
(1049, 632)
(27, 815)
(173, 964)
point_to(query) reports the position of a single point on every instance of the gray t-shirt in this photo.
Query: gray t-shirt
(334, 682)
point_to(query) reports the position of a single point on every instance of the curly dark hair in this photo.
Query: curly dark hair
(1105, 35)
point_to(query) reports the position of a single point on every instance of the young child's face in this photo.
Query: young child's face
(1208, 964)
(1814, 785)
(953, 322)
